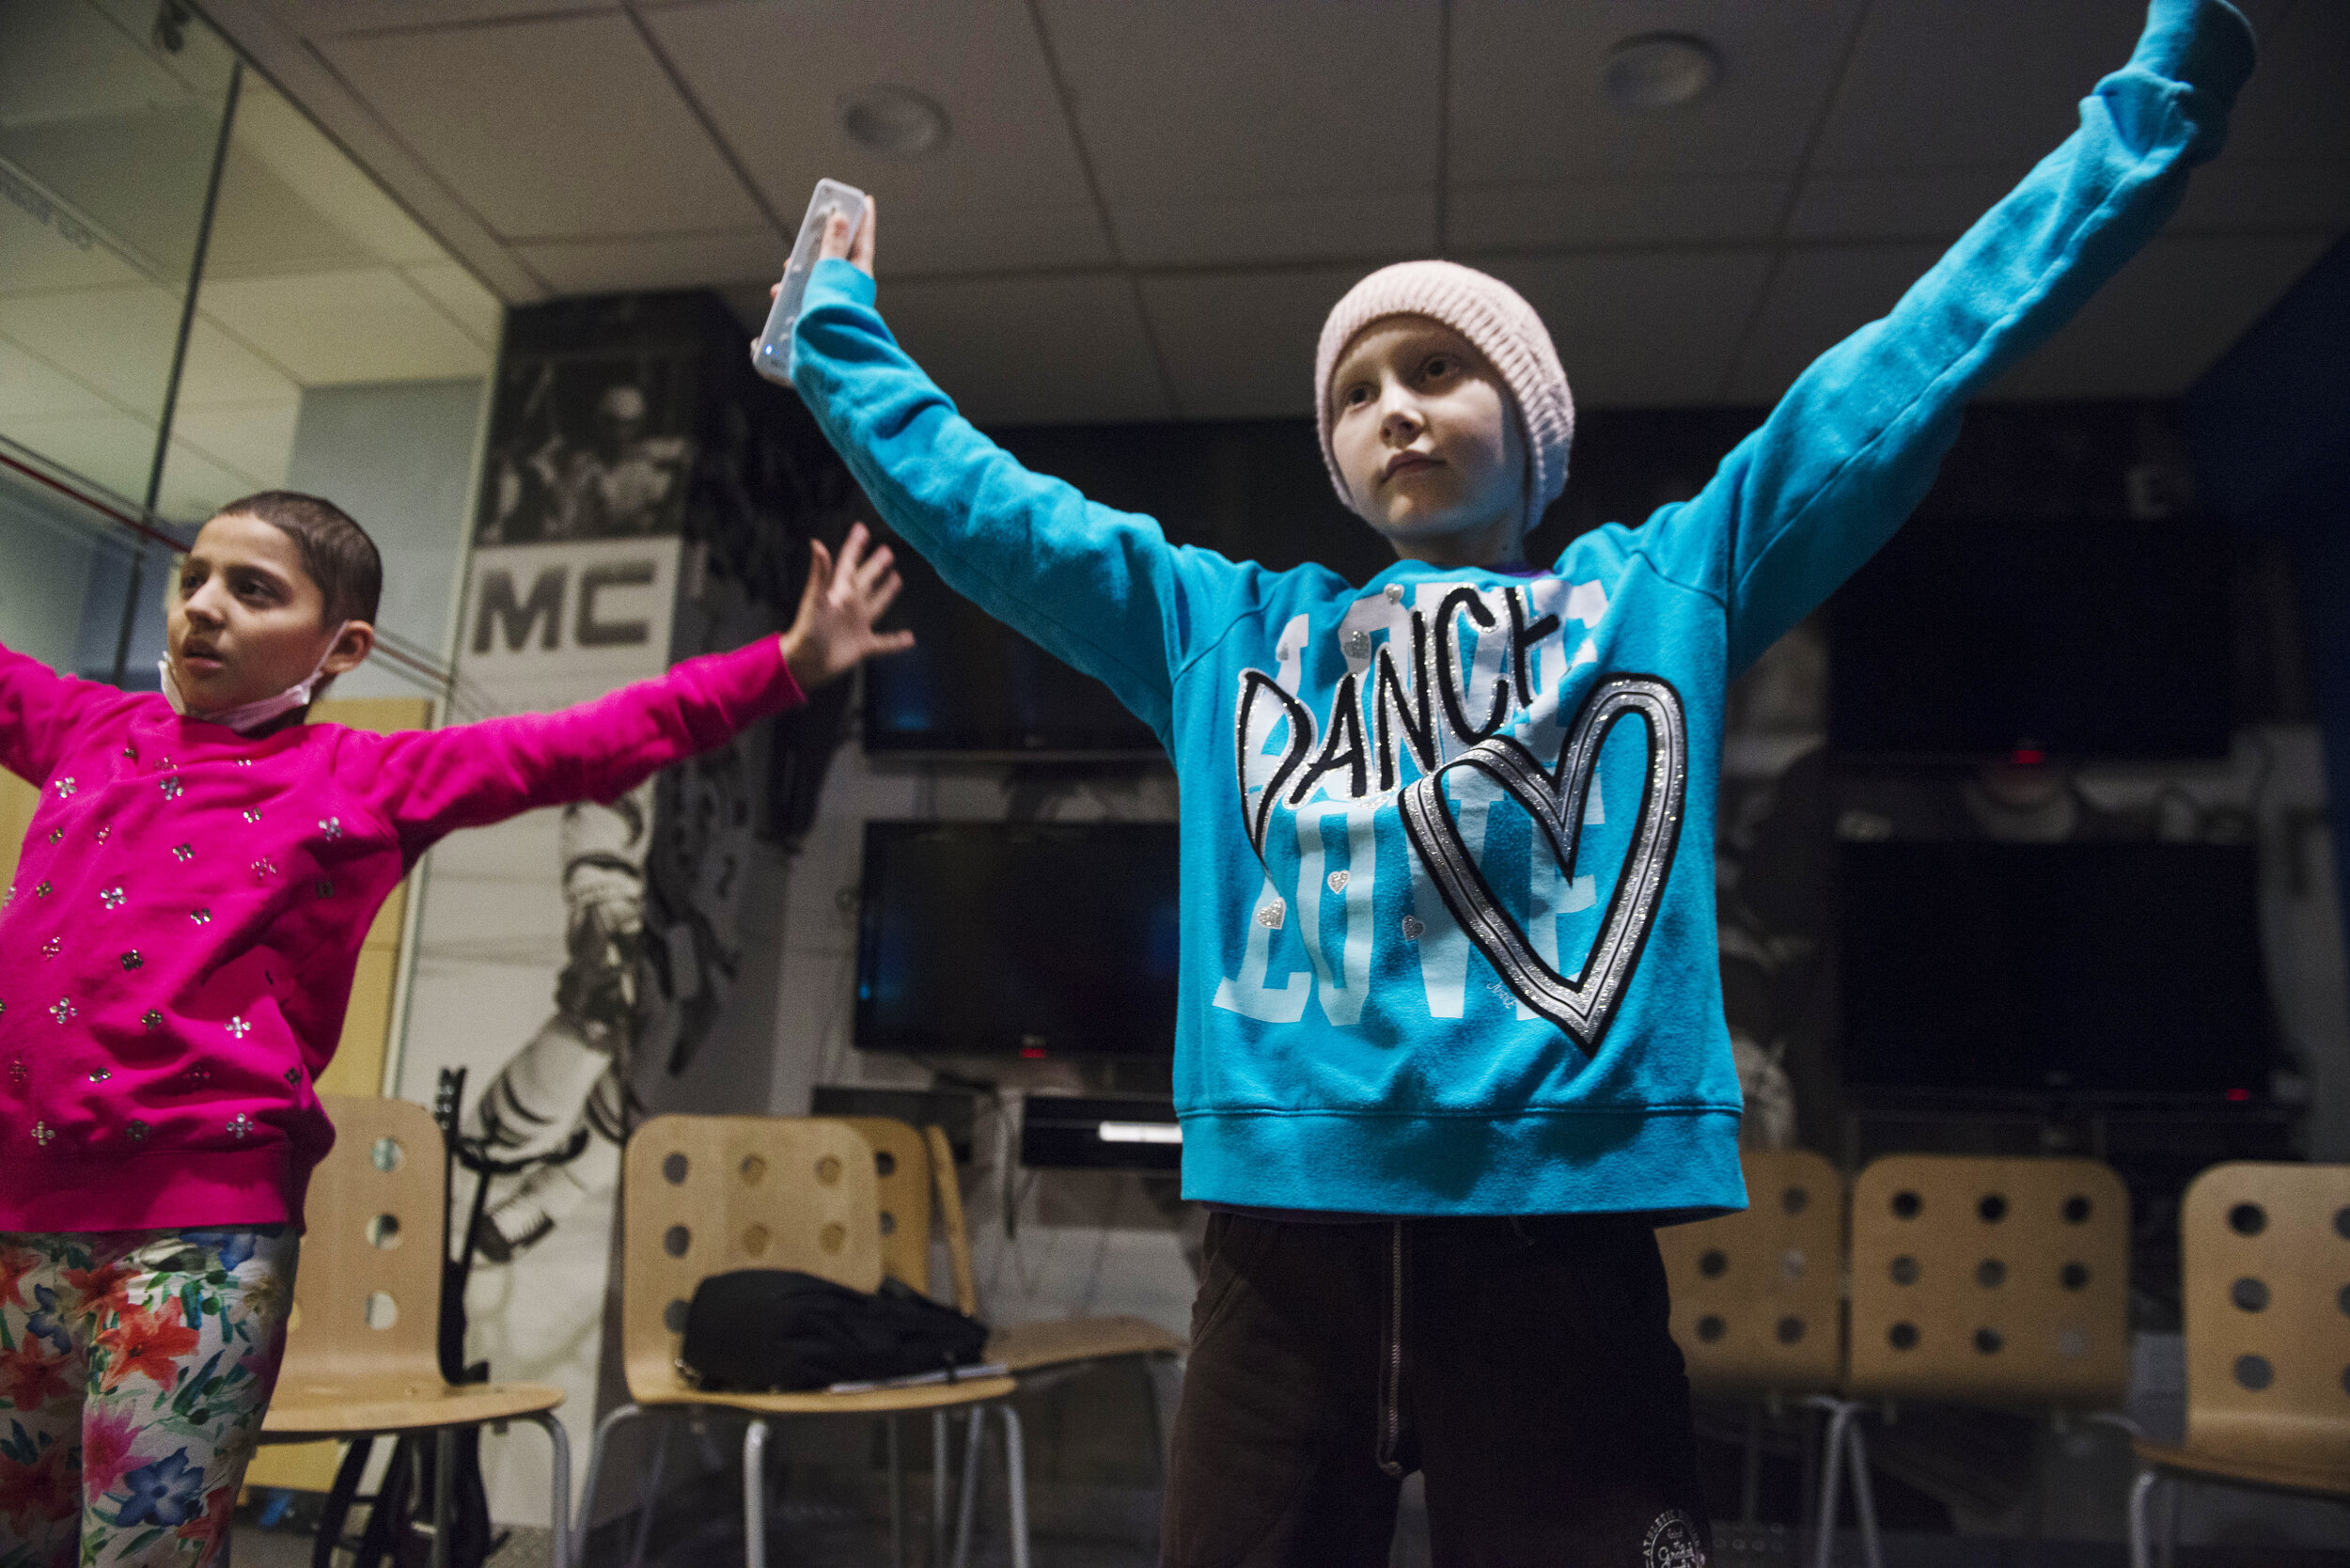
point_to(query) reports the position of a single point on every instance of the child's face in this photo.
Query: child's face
(1428, 441)
(245, 619)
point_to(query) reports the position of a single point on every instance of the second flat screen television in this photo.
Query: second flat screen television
(1039, 939)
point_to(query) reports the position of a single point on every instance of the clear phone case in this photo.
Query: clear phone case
(772, 353)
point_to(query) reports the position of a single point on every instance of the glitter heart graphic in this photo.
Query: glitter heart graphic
(1584, 1005)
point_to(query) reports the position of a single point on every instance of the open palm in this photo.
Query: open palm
(833, 630)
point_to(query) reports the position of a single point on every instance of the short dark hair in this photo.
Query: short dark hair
(336, 551)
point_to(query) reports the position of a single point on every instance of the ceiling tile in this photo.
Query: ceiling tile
(1642, 329)
(1820, 296)
(1935, 84)
(926, 239)
(31, 388)
(654, 261)
(1241, 345)
(1067, 349)
(1370, 224)
(64, 60)
(549, 129)
(278, 136)
(1529, 105)
(479, 313)
(221, 370)
(1008, 151)
(118, 341)
(1224, 100)
(38, 253)
(261, 225)
(326, 328)
(1599, 214)
(109, 447)
(2166, 317)
(1907, 204)
(252, 440)
(321, 19)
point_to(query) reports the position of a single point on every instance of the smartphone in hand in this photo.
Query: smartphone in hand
(772, 353)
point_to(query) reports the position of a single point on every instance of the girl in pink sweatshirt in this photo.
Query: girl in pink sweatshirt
(176, 957)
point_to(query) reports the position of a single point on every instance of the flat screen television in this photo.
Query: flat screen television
(1971, 638)
(1033, 939)
(2116, 969)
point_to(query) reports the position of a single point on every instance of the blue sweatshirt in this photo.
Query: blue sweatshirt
(1448, 885)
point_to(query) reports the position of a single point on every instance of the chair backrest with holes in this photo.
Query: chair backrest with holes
(901, 1176)
(1990, 1280)
(2266, 1286)
(1757, 1297)
(702, 1195)
(368, 1296)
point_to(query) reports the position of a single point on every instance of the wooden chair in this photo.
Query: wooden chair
(362, 1355)
(1979, 1280)
(2265, 1277)
(702, 1195)
(1758, 1297)
(915, 1175)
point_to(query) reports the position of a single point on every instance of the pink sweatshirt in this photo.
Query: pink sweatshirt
(177, 950)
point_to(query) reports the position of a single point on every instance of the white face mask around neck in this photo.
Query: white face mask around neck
(252, 716)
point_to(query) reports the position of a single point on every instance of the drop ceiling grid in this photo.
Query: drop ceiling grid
(1240, 155)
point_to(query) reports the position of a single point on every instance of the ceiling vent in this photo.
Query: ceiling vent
(1660, 71)
(897, 122)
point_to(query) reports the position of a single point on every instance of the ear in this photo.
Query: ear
(351, 648)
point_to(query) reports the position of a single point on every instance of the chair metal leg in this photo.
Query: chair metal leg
(973, 1446)
(938, 1489)
(755, 1494)
(649, 1496)
(897, 1498)
(2142, 1489)
(1751, 1471)
(597, 1445)
(558, 1486)
(2170, 1496)
(1864, 1497)
(1016, 1481)
(1841, 1412)
(443, 1487)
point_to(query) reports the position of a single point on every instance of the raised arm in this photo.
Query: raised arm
(39, 711)
(1101, 588)
(430, 783)
(1853, 446)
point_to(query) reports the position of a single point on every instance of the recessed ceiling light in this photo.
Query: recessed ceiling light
(897, 122)
(1660, 71)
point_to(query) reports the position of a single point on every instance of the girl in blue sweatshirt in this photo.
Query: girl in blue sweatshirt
(1449, 1038)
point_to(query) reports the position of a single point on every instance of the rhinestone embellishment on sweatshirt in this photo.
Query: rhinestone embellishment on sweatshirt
(239, 1027)
(153, 1020)
(294, 1078)
(62, 1010)
(137, 1132)
(51, 948)
(100, 1074)
(111, 898)
(264, 868)
(331, 827)
(201, 917)
(172, 787)
(42, 1132)
(183, 853)
(240, 1125)
(251, 815)
(65, 789)
(132, 959)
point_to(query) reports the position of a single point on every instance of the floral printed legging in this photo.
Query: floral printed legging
(135, 1370)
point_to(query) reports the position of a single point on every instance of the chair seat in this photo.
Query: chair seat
(923, 1396)
(2328, 1482)
(1032, 1346)
(304, 1408)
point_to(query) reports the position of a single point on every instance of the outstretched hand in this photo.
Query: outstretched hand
(834, 631)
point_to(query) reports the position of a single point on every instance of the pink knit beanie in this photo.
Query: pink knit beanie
(1497, 319)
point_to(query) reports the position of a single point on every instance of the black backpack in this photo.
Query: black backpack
(771, 1330)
